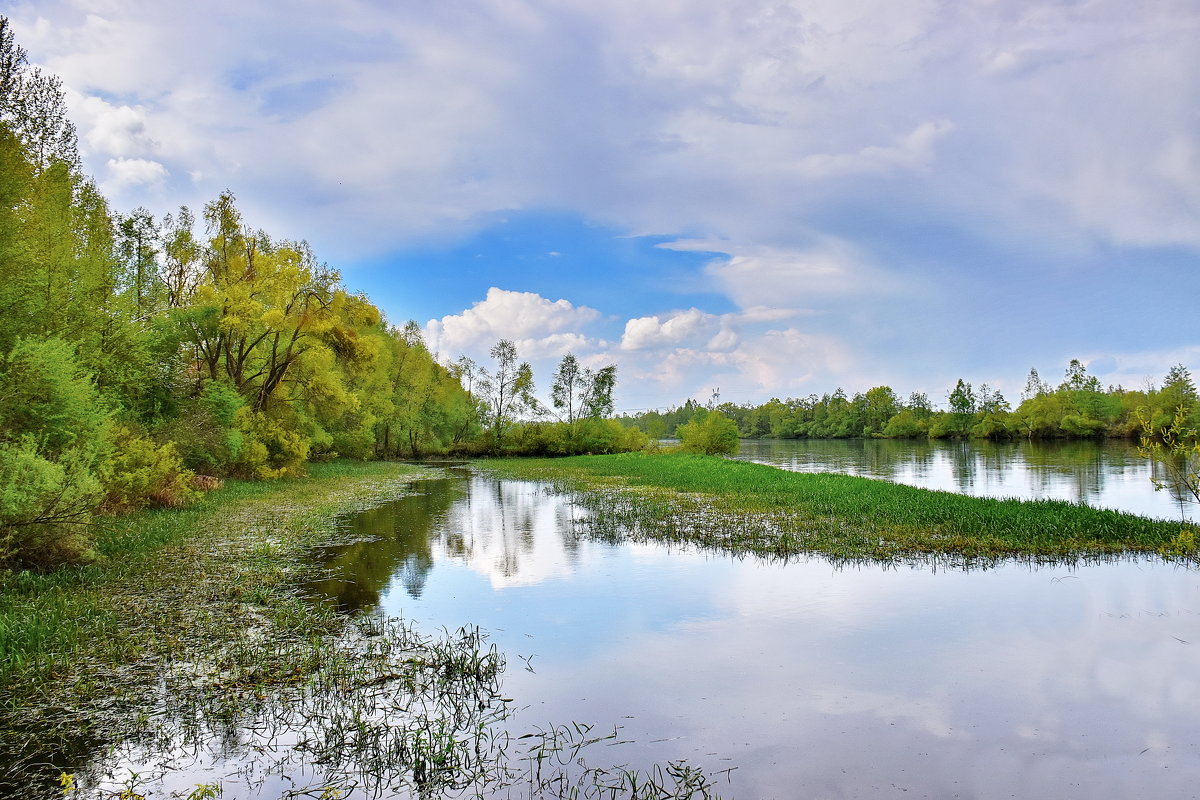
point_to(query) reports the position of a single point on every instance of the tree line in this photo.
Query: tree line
(143, 359)
(1077, 408)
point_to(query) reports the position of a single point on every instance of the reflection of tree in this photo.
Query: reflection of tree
(963, 464)
(1082, 463)
(393, 542)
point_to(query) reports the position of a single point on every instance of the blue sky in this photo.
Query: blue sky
(772, 198)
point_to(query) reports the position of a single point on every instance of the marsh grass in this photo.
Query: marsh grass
(191, 656)
(743, 507)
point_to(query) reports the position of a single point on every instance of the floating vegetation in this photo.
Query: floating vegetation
(743, 508)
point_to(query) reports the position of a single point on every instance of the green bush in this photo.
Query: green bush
(45, 506)
(710, 433)
(206, 433)
(141, 473)
(271, 448)
(55, 435)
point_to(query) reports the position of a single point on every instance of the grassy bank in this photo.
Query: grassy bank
(744, 507)
(89, 655)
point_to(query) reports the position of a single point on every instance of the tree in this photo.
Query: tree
(582, 392)
(1176, 447)
(508, 391)
(881, 405)
(137, 248)
(1034, 386)
(1077, 379)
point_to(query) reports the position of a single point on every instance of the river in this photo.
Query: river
(1100, 474)
(800, 678)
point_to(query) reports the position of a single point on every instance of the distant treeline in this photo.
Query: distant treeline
(141, 360)
(1078, 408)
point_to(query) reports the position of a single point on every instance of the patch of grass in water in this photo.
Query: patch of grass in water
(745, 507)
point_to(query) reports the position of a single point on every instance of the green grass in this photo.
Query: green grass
(49, 619)
(746, 507)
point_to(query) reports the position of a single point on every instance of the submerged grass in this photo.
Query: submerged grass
(745, 507)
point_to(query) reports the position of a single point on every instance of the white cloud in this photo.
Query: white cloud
(673, 329)
(539, 327)
(776, 281)
(113, 130)
(390, 122)
(912, 151)
(135, 172)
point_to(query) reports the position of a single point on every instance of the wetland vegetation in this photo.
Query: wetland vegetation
(745, 507)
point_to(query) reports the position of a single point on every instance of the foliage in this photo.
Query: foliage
(54, 437)
(141, 473)
(1077, 409)
(1176, 447)
(506, 392)
(711, 433)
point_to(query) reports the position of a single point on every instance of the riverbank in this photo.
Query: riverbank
(742, 507)
(192, 617)
(191, 663)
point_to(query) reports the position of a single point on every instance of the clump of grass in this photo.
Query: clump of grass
(745, 507)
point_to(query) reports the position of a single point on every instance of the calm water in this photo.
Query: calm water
(812, 681)
(1105, 475)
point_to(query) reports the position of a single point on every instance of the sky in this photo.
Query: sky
(769, 199)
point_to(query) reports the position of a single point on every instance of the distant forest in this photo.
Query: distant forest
(1078, 408)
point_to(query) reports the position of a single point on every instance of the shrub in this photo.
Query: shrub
(45, 506)
(270, 448)
(206, 433)
(710, 433)
(54, 436)
(142, 473)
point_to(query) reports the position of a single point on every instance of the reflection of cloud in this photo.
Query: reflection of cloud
(997, 683)
(509, 532)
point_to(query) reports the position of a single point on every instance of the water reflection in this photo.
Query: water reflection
(823, 681)
(387, 545)
(1104, 475)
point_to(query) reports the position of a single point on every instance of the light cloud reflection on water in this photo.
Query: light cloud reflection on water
(831, 681)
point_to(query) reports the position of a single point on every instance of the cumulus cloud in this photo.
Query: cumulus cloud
(674, 329)
(538, 326)
(140, 172)
(114, 130)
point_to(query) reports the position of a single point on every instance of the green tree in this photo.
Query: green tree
(507, 392)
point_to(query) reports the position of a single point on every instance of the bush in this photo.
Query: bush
(270, 448)
(54, 436)
(710, 433)
(206, 434)
(142, 473)
(45, 506)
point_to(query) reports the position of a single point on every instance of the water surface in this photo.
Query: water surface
(810, 680)
(1100, 474)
